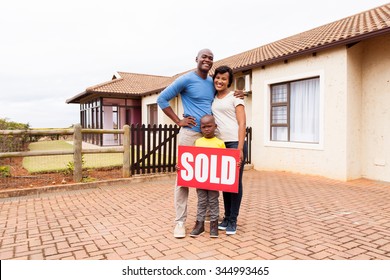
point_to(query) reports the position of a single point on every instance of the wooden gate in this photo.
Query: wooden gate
(153, 149)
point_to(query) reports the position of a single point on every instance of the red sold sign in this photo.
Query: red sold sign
(208, 168)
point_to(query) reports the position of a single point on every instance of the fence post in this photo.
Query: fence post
(77, 157)
(126, 152)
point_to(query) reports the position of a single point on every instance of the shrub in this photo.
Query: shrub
(5, 171)
(70, 166)
(13, 143)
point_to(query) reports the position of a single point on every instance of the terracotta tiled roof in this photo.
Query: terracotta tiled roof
(131, 84)
(345, 31)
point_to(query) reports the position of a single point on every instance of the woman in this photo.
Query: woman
(229, 113)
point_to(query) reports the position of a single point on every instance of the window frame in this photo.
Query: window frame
(268, 111)
(280, 104)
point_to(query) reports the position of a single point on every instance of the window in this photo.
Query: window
(152, 114)
(295, 111)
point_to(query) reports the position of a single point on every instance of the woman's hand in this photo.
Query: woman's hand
(241, 161)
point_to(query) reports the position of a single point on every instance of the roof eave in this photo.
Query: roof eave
(76, 99)
(154, 91)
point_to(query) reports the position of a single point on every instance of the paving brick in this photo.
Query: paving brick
(283, 216)
(49, 251)
(246, 256)
(385, 248)
(6, 255)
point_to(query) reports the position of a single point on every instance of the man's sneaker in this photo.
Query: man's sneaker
(198, 229)
(213, 229)
(223, 225)
(180, 230)
(231, 228)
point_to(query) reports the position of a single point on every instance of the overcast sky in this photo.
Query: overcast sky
(53, 50)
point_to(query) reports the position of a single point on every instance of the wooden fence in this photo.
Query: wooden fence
(146, 149)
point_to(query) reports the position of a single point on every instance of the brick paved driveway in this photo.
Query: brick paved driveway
(284, 216)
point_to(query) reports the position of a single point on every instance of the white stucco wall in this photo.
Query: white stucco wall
(328, 158)
(376, 109)
(354, 112)
(162, 118)
(147, 100)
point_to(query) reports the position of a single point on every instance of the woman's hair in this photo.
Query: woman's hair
(222, 70)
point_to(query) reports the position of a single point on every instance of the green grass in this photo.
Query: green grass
(58, 163)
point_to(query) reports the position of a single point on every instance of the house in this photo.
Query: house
(318, 101)
(113, 104)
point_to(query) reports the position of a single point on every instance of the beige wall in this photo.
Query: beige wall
(328, 158)
(147, 100)
(355, 113)
(376, 109)
(162, 118)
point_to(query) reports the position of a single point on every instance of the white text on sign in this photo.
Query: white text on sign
(206, 168)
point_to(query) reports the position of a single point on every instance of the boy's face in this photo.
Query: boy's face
(208, 126)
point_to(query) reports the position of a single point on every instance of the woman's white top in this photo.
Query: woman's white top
(224, 111)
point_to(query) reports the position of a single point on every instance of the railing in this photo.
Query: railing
(146, 149)
(77, 147)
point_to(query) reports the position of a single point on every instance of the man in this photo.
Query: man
(197, 92)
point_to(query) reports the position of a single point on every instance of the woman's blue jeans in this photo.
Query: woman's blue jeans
(232, 201)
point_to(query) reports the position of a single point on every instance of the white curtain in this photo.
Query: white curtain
(304, 111)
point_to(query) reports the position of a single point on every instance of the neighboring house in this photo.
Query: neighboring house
(113, 104)
(318, 102)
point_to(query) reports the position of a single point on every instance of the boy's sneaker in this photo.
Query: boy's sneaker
(180, 230)
(223, 225)
(231, 228)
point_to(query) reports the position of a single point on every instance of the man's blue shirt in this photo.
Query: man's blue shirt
(197, 95)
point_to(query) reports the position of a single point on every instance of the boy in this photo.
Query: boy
(207, 198)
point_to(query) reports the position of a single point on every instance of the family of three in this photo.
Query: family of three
(213, 116)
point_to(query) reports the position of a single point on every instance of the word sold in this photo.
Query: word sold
(208, 168)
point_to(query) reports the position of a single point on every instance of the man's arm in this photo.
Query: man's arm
(239, 93)
(168, 94)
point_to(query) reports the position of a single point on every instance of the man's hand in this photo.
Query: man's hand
(239, 93)
(188, 121)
